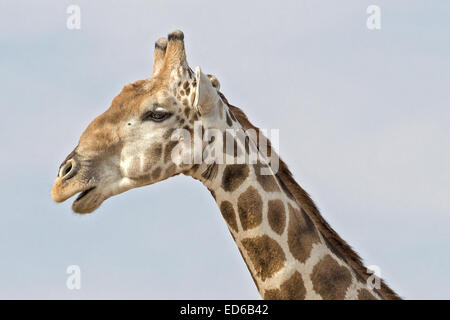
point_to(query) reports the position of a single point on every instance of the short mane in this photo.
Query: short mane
(303, 199)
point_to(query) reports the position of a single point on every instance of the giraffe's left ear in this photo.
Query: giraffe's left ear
(206, 97)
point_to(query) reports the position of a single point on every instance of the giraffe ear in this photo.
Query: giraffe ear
(214, 81)
(206, 97)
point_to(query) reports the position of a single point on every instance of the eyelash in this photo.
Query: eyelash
(156, 116)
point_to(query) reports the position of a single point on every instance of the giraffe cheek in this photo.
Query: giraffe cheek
(132, 165)
(152, 157)
(129, 166)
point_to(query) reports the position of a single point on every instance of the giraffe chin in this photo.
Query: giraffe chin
(92, 197)
(88, 201)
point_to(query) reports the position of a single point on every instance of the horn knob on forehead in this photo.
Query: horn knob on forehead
(176, 35)
(158, 55)
(161, 44)
(175, 52)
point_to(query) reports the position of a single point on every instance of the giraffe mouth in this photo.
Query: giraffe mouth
(83, 194)
(87, 201)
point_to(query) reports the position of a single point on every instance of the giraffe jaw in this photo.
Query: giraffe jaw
(90, 199)
(82, 204)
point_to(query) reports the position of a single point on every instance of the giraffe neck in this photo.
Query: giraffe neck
(285, 252)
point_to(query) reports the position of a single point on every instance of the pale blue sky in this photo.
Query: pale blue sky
(363, 115)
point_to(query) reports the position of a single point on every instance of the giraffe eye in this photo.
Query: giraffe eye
(156, 116)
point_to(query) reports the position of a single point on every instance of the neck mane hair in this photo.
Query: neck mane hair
(304, 201)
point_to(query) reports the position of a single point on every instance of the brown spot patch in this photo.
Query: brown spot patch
(171, 170)
(268, 182)
(220, 106)
(233, 176)
(276, 215)
(291, 289)
(302, 234)
(273, 294)
(228, 214)
(156, 173)
(156, 152)
(229, 122)
(250, 207)
(265, 254)
(247, 145)
(168, 150)
(364, 294)
(330, 280)
(168, 133)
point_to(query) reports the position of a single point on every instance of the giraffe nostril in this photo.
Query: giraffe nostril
(67, 170)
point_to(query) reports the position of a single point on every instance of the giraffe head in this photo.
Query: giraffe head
(132, 144)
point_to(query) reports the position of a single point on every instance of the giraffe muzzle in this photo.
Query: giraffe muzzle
(70, 181)
(89, 179)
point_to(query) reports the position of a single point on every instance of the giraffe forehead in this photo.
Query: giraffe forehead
(140, 94)
(157, 99)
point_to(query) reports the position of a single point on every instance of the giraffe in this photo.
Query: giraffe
(148, 134)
